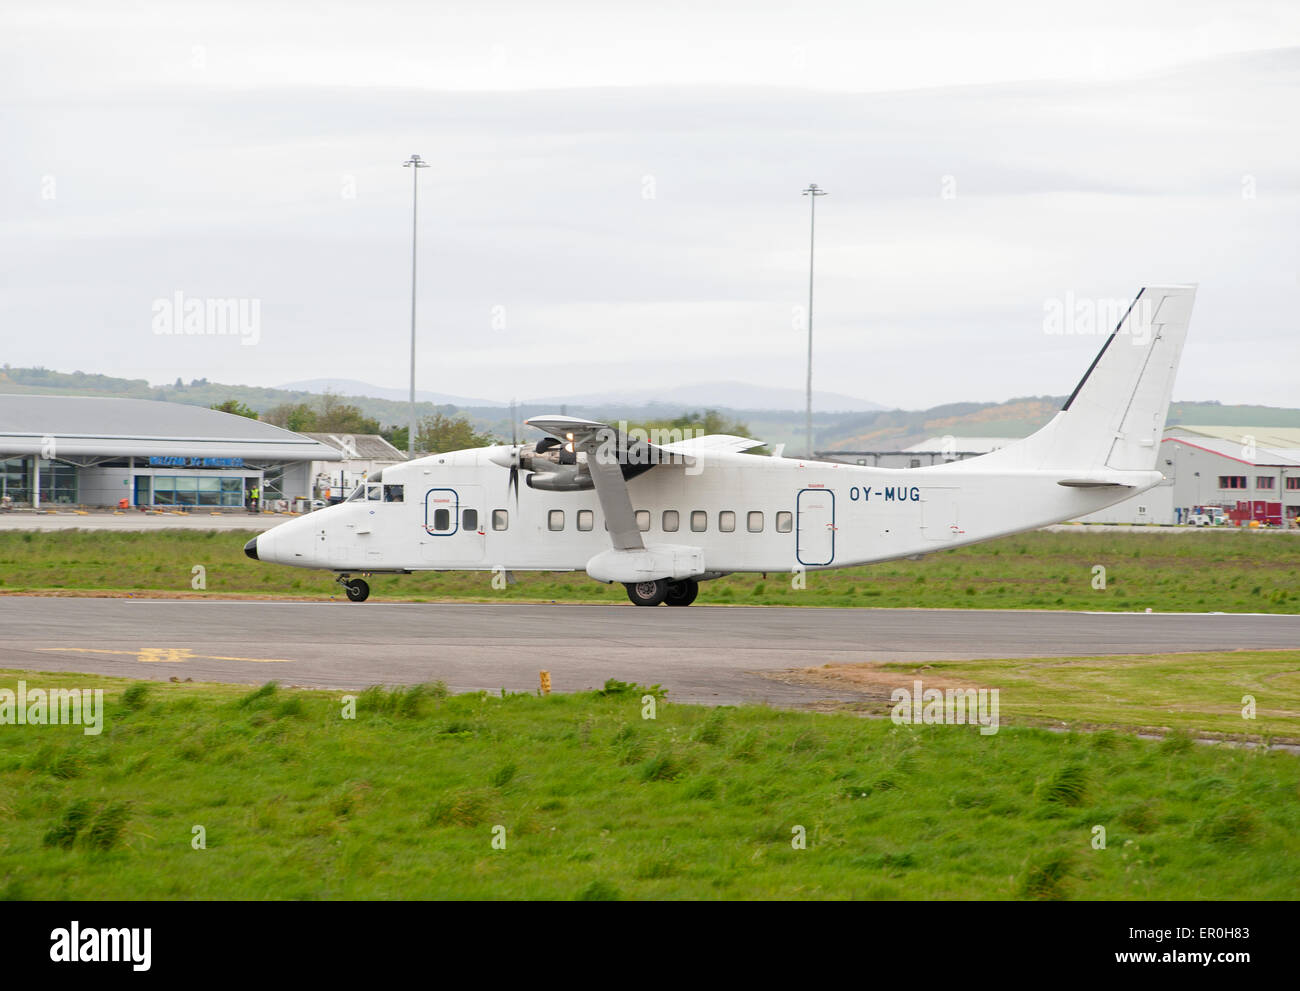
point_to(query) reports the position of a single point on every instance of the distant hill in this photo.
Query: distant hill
(351, 387)
(723, 395)
(874, 429)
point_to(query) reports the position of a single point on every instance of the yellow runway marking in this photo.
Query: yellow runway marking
(168, 655)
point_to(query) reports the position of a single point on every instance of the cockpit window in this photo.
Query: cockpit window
(374, 492)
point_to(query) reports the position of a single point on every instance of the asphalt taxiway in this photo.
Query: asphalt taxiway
(722, 655)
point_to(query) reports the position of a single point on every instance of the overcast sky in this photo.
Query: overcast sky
(614, 198)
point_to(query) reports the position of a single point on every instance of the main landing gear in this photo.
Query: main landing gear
(675, 593)
(358, 589)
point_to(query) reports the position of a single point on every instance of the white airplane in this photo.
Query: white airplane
(661, 518)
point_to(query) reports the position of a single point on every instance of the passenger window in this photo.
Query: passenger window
(393, 493)
(643, 520)
(727, 521)
(670, 521)
(555, 519)
(755, 522)
(442, 519)
(784, 521)
(699, 520)
(586, 519)
(469, 519)
(500, 519)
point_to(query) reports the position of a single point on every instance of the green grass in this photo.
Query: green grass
(1199, 693)
(597, 803)
(1233, 571)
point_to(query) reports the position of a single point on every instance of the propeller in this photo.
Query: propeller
(508, 457)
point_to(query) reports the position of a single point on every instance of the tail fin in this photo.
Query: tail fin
(1115, 418)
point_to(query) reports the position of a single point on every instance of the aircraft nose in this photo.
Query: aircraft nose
(250, 548)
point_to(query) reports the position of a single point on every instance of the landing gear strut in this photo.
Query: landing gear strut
(358, 589)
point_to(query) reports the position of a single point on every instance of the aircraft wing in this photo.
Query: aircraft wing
(727, 443)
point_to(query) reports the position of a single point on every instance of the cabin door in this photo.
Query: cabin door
(453, 533)
(815, 527)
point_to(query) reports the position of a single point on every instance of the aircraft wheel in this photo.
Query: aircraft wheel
(358, 590)
(647, 593)
(682, 593)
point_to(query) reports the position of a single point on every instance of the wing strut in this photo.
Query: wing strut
(590, 437)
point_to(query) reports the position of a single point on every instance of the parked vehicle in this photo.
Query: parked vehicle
(1207, 516)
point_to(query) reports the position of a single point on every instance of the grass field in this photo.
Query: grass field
(1236, 571)
(1198, 693)
(597, 802)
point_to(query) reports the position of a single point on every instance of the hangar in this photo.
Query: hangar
(98, 451)
(1251, 472)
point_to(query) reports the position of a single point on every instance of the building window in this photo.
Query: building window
(699, 521)
(191, 490)
(755, 522)
(555, 519)
(1232, 481)
(784, 521)
(1293, 483)
(500, 519)
(914, 463)
(727, 521)
(670, 516)
(469, 519)
(1265, 481)
(643, 520)
(586, 519)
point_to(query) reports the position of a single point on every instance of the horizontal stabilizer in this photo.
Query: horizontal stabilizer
(1095, 483)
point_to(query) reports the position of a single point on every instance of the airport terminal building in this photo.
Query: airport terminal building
(98, 451)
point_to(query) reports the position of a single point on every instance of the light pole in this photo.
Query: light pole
(812, 192)
(415, 165)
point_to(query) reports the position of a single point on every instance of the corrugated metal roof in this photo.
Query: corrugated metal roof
(364, 447)
(1237, 450)
(100, 426)
(1277, 438)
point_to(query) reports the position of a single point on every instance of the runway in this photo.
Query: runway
(700, 654)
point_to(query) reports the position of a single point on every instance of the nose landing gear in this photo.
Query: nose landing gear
(357, 589)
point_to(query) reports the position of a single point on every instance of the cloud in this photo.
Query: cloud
(628, 232)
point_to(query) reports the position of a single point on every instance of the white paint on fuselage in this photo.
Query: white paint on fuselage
(878, 514)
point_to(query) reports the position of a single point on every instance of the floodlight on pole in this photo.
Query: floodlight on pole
(812, 192)
(415, 165)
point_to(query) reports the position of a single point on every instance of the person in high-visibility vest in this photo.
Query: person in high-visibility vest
(254, 494)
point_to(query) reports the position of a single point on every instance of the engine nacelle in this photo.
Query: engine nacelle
(560, 481)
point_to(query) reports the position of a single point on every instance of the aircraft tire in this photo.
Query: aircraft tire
(682, 593)
(647, 593)
(358, 590)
